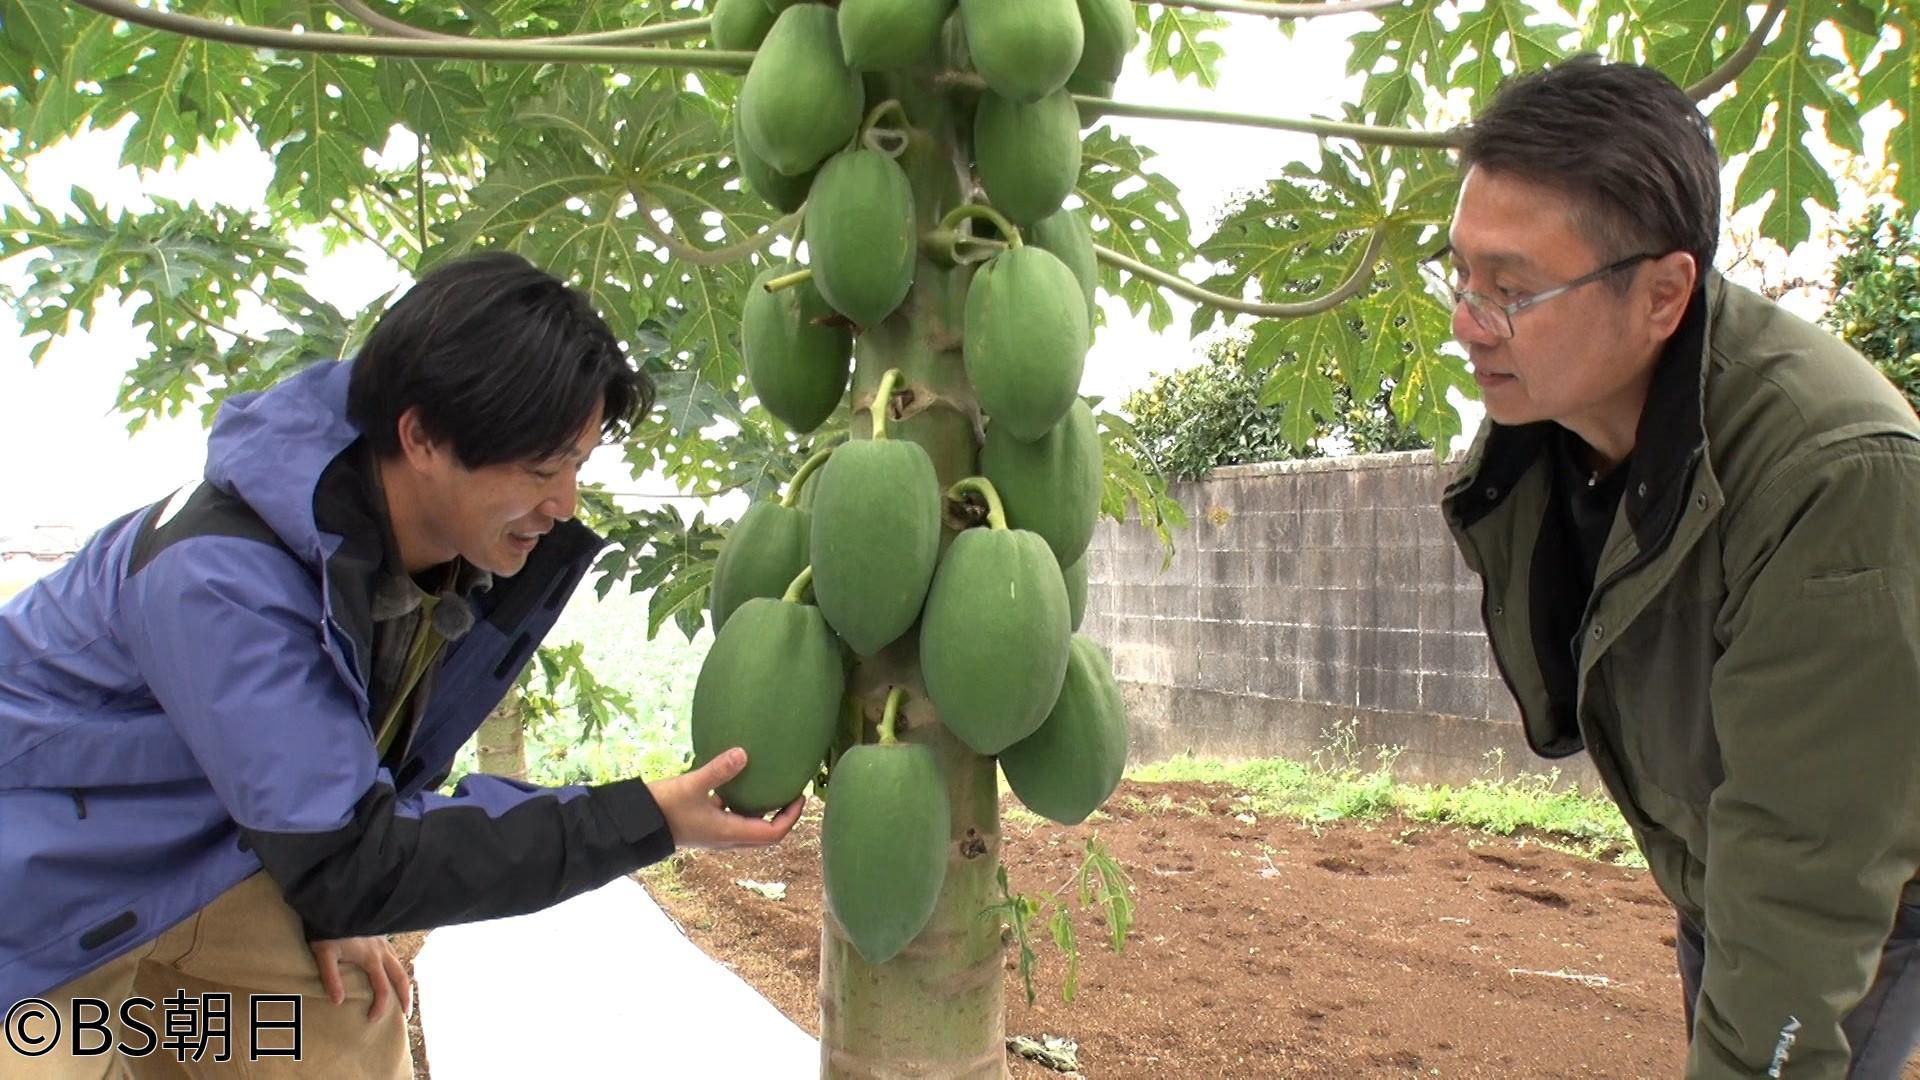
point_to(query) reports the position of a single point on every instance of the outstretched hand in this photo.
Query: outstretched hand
(698, 818)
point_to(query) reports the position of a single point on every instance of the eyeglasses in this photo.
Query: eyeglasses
(1491, 315)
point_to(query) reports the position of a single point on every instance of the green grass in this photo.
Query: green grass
(1537, 807)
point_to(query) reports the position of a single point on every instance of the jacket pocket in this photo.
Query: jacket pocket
(1661, 674)
(1844, 583)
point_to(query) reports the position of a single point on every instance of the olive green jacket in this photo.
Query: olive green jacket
(1746, 676)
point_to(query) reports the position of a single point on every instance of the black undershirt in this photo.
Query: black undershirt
(1587, 507)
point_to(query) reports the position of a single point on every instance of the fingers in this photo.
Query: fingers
(785, 820)
(378, 982)
(397, 974)
(327, 959)
(721, 769)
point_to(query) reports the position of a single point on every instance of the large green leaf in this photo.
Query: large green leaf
(1691, 36)
(1792, 80)
(182, 92)
(1892, 81)
(320, 117)
(1409, 46)
(1178, 41)
(1501, 35)
(1135, 212)
(1295, 384)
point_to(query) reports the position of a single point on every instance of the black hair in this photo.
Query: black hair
(504, 361)
(1623, 140)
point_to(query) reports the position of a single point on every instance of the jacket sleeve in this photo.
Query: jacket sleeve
(1816, 828)
(227, 634)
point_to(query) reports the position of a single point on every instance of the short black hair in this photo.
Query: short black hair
(504, 361)
(1623, 140)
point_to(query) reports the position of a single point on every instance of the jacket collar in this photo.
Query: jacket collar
(1671, 434)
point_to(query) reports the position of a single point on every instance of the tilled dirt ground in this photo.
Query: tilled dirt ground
(1272, 948)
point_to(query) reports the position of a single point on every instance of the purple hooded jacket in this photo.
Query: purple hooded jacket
(186, 702)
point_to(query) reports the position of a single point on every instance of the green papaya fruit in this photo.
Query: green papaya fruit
(799, 354)
(861, 235)
(762, 554)
(1026, 339)
(882, 35)
(1110, 33)
(883, 846)
(1065, 233)
(778, 6)
(771, 683)
(777, 189)
(1065, 770)
(800, 102)
(993, 641)
(1024, 49)
(1076, 575)
(875, 540)
(1027, 154)
(740, 24)
(1052, 485)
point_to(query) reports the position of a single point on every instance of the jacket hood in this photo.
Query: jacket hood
(270, 447)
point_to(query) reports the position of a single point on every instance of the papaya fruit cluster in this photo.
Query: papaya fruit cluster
(864, 531)
(801, 139)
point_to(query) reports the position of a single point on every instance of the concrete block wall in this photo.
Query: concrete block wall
(1309, 601)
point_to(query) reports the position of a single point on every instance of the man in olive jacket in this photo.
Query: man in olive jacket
(1697, 519)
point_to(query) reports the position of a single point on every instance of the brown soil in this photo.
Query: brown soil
(1275, 948)
(1271, 948)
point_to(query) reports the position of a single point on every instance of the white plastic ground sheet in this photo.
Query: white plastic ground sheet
(604, 985)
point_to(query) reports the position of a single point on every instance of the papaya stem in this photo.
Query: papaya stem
(877, 410)
(799, 586)
(793, 242)
(878, 112)
(889, 140)
(979, 210)
(545, 50)
(788, 281)
(894, 697)
(996, 512)
(806, 471)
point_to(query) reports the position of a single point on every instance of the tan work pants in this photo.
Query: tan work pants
(246, 955)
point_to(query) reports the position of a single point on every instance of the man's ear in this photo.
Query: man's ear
(417, 448)
(1670, 283)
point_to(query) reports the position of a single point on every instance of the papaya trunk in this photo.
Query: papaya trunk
(502, 739)
(936, 1009)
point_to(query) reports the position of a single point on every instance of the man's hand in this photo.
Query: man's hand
(385, 973)
(698, 819)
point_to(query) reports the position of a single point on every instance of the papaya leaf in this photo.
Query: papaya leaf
(1135, 484)
(1016, 912)
(1104, 881)
(1502, 36)
(1782, 164)
(1290, 350)
(682, 597)
(1891, 81)
(1176, 42)
(1409, 46)
(1136, 212)
(1062, 926)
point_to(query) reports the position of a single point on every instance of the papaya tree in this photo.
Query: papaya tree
(859, 247)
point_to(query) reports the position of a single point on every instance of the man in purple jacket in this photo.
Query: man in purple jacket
(222, 725)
